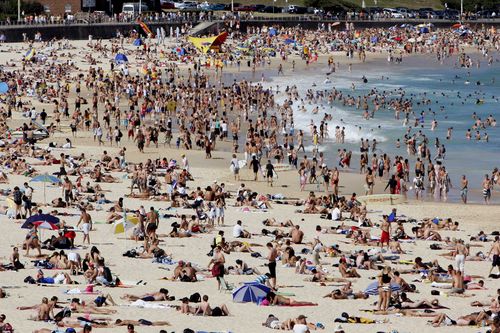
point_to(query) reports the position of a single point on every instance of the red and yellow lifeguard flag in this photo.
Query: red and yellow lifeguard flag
(146, 29)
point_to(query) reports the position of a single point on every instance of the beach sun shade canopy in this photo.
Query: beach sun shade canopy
(208, 43)
(121, 58)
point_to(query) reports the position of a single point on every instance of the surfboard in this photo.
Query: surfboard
(384, 199)
(283, 167)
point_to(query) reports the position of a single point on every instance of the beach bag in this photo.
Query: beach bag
(130, 253)
(30, 280)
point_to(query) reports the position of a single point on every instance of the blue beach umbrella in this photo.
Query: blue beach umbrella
(45, 178)
(121, 58)
(372, 289)
(43, 221)
(137, 42)
(250, 292)
(4, 87)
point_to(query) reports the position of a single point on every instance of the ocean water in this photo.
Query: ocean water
(453, 102)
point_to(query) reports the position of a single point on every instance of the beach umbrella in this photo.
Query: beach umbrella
(4, 87)
(45, 178)
(42, 221)
(250, 292)
(121, 58)
(128, 221)
(137, 42)
(30, 54)
(372, 289)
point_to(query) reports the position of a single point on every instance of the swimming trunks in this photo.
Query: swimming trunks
(496, 260)
(272, 269)
(148, 299)
(384, 238)
(145, 322)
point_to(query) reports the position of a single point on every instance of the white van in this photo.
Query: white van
(134, 8)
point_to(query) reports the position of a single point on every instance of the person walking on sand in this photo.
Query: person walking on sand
(495, 250)
(255, 165)
(86, 221)
(235, 167)
(270, 172)
(461, 253)
(464, 184)
(486, 189)
(271, 257)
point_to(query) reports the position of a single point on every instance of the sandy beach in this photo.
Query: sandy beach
(139, 276)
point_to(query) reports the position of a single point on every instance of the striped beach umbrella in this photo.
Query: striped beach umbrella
(250, 292)
(372, 289)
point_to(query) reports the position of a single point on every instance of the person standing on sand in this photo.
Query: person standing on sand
(464, 184)
(255, 165)
(271, 257)
(86, 221)
(140, 139)
(386, 232)
(486, 189)
(495, 249)
(235, 166)
(461, 253)
(270, 172)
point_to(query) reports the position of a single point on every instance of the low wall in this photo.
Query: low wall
(78, 31)
(108, 30)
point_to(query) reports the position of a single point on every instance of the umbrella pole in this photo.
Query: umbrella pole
(44, 198)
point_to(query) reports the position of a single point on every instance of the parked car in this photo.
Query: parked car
(393, 13)
(214, 6)
(245, 8)
(425, 12)
(487, 14)
(293, 9)
(271, 9)
(227, 6)
(167, 4)
(259, 7)
(177, 3)
(451, 14)
(406, 12)
(188, 5)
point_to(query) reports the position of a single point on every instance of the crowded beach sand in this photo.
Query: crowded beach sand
(148, 198)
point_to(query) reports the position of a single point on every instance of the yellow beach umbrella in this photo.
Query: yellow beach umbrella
(10, 203)
(129, 221)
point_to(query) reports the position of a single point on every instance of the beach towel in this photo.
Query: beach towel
(78, 291)
(442, 285)
(148, 305)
